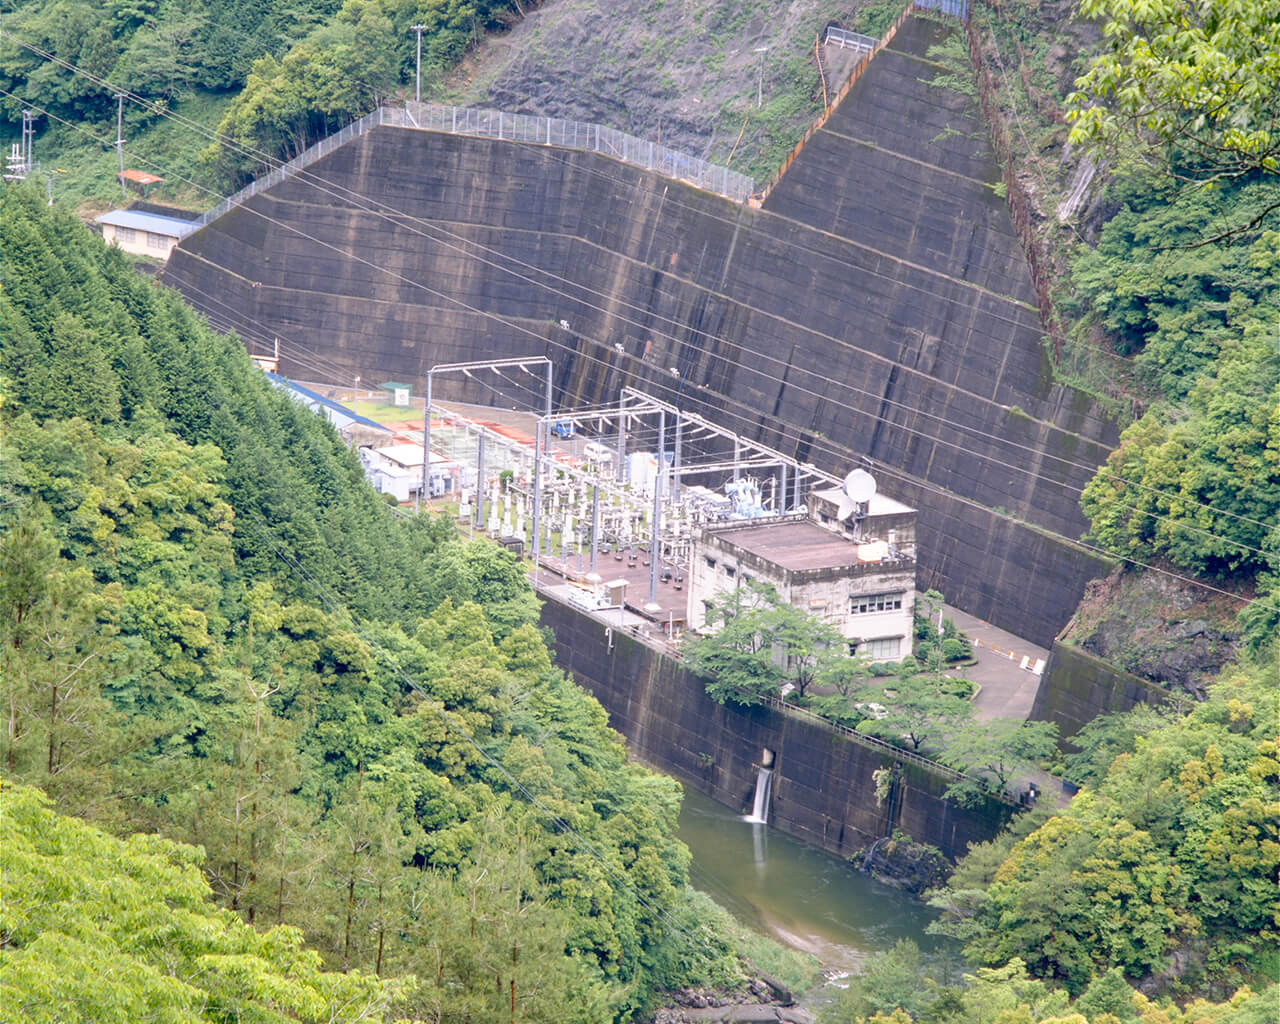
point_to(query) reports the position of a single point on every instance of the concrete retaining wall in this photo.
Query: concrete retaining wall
(877, 306)
(1079, 686)
(823, 791)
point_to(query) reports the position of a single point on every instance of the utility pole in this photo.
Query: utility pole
(417, 88)
(355, 396)
(120, 139)
(28, 141)
(760, 81)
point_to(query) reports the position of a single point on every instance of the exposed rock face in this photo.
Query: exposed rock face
(1159, 628)
(906, 865)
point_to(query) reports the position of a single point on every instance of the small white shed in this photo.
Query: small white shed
(144, 234)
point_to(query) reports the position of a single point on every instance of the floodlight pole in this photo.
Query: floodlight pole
(537, 494)
(120, 139)
(417, 85)
(423, 494)
(675, 478)
(622, 440)
(479, 513)
(595, 524)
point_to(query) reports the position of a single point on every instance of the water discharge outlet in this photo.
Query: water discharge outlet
(764, 786)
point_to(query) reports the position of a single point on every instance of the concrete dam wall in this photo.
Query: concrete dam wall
(877, 305)
(823, 790)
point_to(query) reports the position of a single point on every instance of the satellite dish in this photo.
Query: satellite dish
(859, 486)
(847, 507)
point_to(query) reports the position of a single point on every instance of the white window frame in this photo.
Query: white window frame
(877, 649)
(874, 604)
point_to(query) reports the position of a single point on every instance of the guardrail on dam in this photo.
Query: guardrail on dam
(878, 305)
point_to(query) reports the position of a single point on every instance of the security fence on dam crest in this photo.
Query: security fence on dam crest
(553, 131)
(497, 124)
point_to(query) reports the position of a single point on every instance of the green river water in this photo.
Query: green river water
(802, 897)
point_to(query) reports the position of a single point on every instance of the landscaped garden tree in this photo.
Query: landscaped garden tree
(993, 754)
(914, 707)
(761, 644)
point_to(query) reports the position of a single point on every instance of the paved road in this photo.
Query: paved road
(1008, 689)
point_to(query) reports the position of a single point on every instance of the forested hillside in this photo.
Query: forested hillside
(211, 628)
(295, 69)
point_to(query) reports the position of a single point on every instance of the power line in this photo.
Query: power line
(399, 216)
(786, 430)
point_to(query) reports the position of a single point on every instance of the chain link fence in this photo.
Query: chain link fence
(497, 124)
(552, 131)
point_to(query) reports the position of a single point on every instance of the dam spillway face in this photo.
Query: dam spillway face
(878, 305)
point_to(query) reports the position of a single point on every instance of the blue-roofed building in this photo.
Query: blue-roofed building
(351, 427)
(144, 234)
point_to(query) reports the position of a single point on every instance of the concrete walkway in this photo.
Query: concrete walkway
(1008, 688)
(1005, 668)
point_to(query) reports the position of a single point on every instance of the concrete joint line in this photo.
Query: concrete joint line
(907, 159)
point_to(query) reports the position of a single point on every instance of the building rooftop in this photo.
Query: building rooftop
(339, 413)
(154, 222)
(798, 545)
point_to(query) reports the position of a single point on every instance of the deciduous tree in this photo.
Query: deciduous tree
(1195, 81)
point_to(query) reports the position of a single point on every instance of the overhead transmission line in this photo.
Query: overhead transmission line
(787, 430)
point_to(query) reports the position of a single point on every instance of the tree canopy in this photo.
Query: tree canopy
(212, 629)
(102, 930)
(1173, 855)
(1188, 84)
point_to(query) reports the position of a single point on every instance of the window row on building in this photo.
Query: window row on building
(862, 604)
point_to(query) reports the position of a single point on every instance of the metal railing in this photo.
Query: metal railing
(954, 8)
(871, 742)
(847, 40)
(383, 115)
(497, 124)
(670, 649)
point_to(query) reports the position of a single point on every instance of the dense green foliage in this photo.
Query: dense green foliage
(342, 69)
(298, 70)
(760, 644)
(1195, 482)
(156, 49)
(1184, 78)
(895, 989)
(1184, 280)
(1171, 859)
(182, 548)
(100, 930)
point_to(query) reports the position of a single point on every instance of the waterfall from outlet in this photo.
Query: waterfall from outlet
(764, 784)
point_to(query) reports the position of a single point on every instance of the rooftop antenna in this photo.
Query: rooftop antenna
(858, 490)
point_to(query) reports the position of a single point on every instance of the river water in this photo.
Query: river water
(802, 897)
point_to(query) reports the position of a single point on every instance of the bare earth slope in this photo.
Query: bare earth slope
(685, 71)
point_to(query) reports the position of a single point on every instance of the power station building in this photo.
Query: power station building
(857, 572)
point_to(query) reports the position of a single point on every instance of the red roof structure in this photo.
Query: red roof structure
(141, 178)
